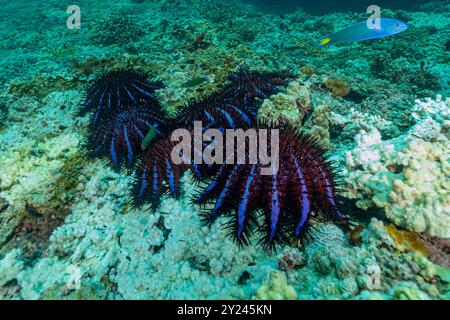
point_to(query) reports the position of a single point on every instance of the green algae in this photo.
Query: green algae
(443, 273)
(68, 179)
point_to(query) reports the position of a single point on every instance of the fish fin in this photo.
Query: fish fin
(325, 42)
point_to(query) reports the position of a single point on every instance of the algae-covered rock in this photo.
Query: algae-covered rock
(408, 291)
(338, 88)
(443, 273)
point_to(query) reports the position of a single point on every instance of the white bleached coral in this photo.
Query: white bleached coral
(10, 266)
(438, 109)
(164, 255)
(300, 107)
(406, 176)
(355, 121)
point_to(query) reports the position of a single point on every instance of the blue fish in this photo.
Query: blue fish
(361, 32)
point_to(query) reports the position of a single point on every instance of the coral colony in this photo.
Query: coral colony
(238, 183)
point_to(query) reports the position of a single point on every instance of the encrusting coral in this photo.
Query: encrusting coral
(276, 288)
(337, 87)
(407, 239)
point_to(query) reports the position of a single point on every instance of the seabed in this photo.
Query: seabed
(381, 108)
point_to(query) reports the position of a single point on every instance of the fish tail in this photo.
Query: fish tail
(325, 42)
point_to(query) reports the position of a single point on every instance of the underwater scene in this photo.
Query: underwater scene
(225, 150)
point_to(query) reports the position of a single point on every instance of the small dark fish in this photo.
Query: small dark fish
(447, 46)
(245, 276)
(32, 210)
(148, 138)
(195, 82)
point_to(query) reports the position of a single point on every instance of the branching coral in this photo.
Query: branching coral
(219, 10)
(246, 30)
(117, 29)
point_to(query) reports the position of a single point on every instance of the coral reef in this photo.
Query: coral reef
(247, 29)
(3, 113)
(405, 176)
(334, 269)
(337, 87)
(407, 239)
(40, 180)
(219, 10)
(319, 124)
(41, 85)
(34, 230)
(117, 29)
(288, 107)
(68, 229)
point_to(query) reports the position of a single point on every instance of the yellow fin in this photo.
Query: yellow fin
(325, 41)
